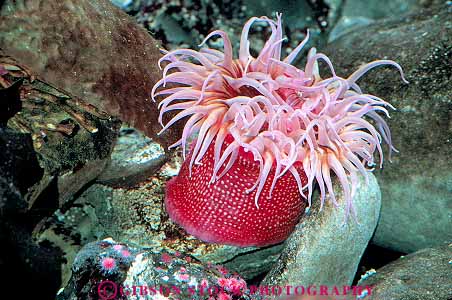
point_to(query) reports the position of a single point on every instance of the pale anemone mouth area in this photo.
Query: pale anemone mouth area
(276, 112)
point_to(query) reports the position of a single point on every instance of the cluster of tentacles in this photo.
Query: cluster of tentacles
(281, 114)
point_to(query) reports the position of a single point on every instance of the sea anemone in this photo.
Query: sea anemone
(108, 265)
(265, 132)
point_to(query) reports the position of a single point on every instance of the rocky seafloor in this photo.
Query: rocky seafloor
(83, 170)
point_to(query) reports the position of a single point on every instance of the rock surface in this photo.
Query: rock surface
(425, 274)
(416, 186)
(110, 270)
(352, 14)
(325, 250)
(135, 157)
(90, 49)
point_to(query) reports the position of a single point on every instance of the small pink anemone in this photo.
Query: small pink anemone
(284, 116)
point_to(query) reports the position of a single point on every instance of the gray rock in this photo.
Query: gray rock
(425, 274)
(351, 14)
(417, 186)
(375, 9)
(251, 264)
(110, 270)
(347, 24)
(325, 250)
(123, 4)
(134, 158)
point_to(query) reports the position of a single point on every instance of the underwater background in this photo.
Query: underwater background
(84, 168)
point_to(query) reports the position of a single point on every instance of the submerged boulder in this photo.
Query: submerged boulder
(425, 274)
(416, 186)
(110, 270)
(325, 248)
(92, 50)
